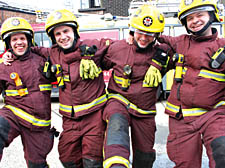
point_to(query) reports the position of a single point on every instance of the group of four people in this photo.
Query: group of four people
(96, 122)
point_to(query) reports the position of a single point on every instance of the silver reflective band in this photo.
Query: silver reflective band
(145, 33)
(198, 9)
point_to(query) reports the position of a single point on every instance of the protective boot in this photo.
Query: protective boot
(4, 131)
(69, 165)
(37, 165)
(143, 159)
(218, 150)
(90, 163)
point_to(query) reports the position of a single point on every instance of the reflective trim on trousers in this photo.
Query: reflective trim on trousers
(79, 108)
(129, 104)
(116, 160)
(27, 117)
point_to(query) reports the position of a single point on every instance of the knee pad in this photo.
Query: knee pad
(218, 150)
(143, 159)
(4, 131)
(90, 163)
(37, 165)
(118, 131)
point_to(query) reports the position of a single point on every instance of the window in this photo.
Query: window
(90, 4)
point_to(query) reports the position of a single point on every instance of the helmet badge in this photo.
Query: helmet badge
(57, 15)
(188, 2)
(147, 21)
(15, 22)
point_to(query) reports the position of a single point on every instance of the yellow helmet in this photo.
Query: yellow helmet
(148, 18)
(15, 24)
(188, 7)
(60, 17)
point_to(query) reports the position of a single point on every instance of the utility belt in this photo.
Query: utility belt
(191, 111)
(42, 87)
(28, 117)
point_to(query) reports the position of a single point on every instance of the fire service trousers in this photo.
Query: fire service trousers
(81, 142)
(36, 144)
(186, 140)
(117, 140)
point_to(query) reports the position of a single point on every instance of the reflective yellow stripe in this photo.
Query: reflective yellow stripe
(29, 118)
(172, 107)
(79, 108)
(158, 63)
(66, 78)
(192, 111)
(95, 102)
(120, 80)
(15, 92)
(45, 87)
(212, 75)
(65, 108)
(116, 160)
(130, 105)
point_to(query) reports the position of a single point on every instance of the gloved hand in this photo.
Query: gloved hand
(7, 58)
(88, 69)
(153, 77)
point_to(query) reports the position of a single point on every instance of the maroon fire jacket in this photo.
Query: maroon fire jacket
(139, 100)
(79, 97)
(202, 88)
(34, 109)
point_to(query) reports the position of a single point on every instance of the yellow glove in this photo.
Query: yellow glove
(153, 77)
(88, 69)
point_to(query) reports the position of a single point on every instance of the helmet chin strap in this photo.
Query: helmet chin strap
(199, 33)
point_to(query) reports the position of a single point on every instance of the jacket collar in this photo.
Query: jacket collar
(206, 38)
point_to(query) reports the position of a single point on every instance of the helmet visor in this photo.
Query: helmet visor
(198, 9)
(16, 32)
(145, 33)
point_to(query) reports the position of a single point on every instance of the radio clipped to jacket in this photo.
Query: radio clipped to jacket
(179, 59)
(218, 58)
(57, 69)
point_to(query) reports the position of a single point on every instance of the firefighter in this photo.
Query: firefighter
(81, 100)
(196, 103)
(27, 109)
(131, 99)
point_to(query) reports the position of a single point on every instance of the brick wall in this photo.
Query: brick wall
(4, 14)
(116, 7)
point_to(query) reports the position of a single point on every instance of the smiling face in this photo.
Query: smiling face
(19, 43)
(64, 36)
(143, 39)
(196, 21)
